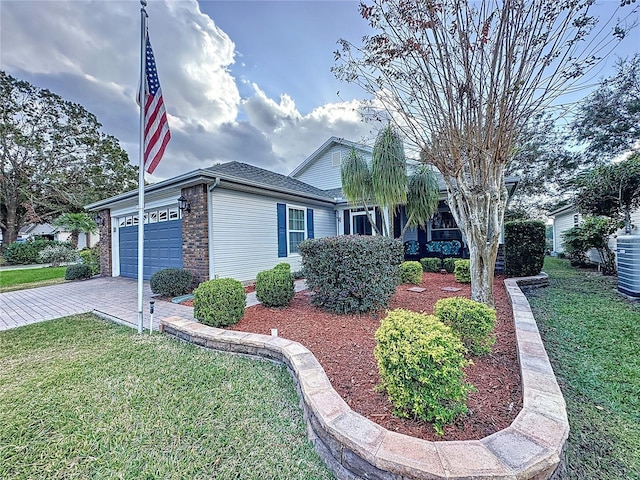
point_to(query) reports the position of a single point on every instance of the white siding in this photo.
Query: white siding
(561, 223)
(321, 173)
(245, 233)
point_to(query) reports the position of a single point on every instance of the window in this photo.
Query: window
(296, 228)
(360, 222)
(162, 215)
(336, 159)
(174, 214)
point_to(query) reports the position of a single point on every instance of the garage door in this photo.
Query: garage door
(162, 248)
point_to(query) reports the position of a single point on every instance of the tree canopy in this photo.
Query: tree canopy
(53, 157)
(461, 79)
(611, 190)
(608, 120)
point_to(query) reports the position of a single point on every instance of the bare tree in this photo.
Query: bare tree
(461, 79)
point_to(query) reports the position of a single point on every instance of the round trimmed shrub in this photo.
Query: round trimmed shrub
(171, 282)
(421, 362)
(219, 302)
(449, 264)
(411, 272)
(432, 264)
(274, 288)
(474, 321)
(77, 272)
(462, 271)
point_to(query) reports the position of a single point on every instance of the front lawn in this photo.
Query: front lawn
(82, 398)
(592, 336)
(30, 278)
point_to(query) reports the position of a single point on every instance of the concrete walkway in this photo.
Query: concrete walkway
(115, 298)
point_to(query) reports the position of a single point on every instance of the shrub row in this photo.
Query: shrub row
(25, 253)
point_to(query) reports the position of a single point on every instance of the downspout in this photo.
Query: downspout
(210, 224)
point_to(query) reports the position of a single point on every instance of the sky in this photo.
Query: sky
(248, 81)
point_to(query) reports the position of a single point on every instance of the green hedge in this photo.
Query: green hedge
(462, 271)
(171, 282)
(351, 273)
(220, 302)
(524, 247)
(431, 264)
(411, 272)
(77, 272)
(475, 322)
(25, 253)
(449, 264)
(274, 288)
(421, 362)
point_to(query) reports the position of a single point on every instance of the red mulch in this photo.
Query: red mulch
(343, 344)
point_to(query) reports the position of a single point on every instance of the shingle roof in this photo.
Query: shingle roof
(262, 177)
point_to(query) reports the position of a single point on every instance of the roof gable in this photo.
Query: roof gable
(311, 159)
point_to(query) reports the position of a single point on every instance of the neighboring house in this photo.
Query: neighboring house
(50, 232)
(568, 217)
(242, 219)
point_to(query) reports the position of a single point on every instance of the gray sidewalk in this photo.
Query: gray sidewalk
(111, 297)
(114, 297)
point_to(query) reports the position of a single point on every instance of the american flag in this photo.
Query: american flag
(156, 128)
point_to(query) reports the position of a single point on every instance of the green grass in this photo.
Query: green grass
(592, 336)
(84, 399)
(30, 278)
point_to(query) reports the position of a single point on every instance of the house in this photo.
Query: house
(50, 232)
(568, 217)
(236, 220)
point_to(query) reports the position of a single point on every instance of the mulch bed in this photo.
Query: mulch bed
(343, 344)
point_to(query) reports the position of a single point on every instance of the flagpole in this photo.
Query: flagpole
(142, 97)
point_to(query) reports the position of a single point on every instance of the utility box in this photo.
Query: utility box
(628, 251)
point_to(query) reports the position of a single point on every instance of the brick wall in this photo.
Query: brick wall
(105, 243)
(195, 233)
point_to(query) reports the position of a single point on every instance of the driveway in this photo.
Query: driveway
(113, 297)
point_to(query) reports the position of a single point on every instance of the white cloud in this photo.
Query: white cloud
(88, 52)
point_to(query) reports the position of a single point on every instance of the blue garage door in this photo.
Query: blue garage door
(162, 248)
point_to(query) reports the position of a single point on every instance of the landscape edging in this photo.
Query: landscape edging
(354, 447)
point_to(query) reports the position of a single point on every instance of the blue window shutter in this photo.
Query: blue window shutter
(282, 230)
(347, 222)
(310, 223)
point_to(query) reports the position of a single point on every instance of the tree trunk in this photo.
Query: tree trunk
(479, 213)
(10, 233)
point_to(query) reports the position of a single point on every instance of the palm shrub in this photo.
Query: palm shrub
(431, 264)
(274, 288)
(411, 272)
(219, 302)
(475, 322)
(462, 271)
(351, 273)
(449, 264)
(421, 362)
(171, 282)
(77, 272)
(57, 254)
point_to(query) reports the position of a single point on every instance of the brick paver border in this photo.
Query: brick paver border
(353, 446)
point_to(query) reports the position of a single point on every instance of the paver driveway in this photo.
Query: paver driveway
(116, 297)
